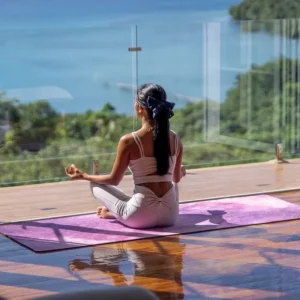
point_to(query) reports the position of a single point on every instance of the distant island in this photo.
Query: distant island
(265, 13)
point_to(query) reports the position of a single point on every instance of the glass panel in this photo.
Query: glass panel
(173, 55)
(66, 97)
(230, 82)
(236, 93)
(249, 75)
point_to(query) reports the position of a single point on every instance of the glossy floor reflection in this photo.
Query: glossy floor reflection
(154, 264)
(255, 262)
(215, 265)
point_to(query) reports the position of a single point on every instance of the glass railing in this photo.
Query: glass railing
(174, 56)
(66, 98)
(67, 95)
(258, 105)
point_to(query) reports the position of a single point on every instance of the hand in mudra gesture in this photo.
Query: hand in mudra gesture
(74, 173)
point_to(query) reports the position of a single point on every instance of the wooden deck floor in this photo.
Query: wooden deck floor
(256, 262)
(65, 198)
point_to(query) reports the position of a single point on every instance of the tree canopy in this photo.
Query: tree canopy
(268, 87)
(266, 12)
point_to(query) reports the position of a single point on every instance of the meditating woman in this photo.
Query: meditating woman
(154, 156)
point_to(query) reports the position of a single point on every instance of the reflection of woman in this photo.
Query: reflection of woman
(106, 260)
(156, 271)
(154, 155)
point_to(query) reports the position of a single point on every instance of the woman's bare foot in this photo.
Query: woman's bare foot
(99, 209)
(104, 213)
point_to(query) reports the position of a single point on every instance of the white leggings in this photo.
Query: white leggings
(143, 210)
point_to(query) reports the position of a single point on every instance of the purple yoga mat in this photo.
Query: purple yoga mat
(87, 230)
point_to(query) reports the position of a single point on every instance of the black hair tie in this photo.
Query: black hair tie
(158, 106)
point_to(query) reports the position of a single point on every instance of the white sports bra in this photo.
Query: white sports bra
(142, 167)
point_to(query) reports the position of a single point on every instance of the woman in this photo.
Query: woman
(154, 156)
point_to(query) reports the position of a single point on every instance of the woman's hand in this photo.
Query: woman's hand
(78, 265)
(74, 173)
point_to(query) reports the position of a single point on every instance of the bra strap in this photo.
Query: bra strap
(139, 143)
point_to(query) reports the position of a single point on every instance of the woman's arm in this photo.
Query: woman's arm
(178, 170)
(118, 170)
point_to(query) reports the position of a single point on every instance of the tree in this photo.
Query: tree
(8, 110)
(36, 126)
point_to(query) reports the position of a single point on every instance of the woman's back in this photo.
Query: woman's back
(148, 142)
(143, 164)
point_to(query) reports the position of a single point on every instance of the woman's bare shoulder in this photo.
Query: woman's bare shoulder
(127, 139)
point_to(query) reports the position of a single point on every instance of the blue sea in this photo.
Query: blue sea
(75, 53)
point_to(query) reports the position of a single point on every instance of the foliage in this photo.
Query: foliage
(8, 110)
(270, 99)
(265, 12)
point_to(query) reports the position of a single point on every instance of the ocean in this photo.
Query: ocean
(75, 53)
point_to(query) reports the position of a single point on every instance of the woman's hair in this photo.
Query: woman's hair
(154, 99)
